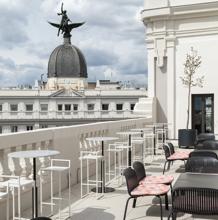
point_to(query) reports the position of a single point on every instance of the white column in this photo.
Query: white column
(151, 68)
(171, 87)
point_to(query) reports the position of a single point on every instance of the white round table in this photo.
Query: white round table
(34, 154)
(102, 140)
(129, 133)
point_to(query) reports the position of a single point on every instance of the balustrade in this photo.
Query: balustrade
(68, 140)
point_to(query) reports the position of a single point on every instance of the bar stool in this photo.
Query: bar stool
(12, 183)
(88, 156)
(57, 166)
(138, 142)
(4, 194)
(148, 146)
(116, 170)
(160, 137)
(124, 146)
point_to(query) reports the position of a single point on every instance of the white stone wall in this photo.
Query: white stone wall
(173, 27)
(64, 139)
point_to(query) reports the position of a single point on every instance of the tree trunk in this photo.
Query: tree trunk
(188, 110)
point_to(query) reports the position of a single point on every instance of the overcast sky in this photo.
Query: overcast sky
(112, 38)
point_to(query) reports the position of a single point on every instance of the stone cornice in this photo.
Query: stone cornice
(180, 12)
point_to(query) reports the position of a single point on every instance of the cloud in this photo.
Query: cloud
(12, 74)
(99, 57)
(7, 63)
(112, 37)
(13, 21)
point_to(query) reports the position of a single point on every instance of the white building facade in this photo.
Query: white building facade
(29, 109)
(173, 27)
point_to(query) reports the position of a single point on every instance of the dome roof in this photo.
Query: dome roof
(68, 61)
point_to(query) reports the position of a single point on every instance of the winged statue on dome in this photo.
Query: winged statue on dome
(66, 24)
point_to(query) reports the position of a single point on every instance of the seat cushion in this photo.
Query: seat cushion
(150, 190)
(179, 156)
(160, 179)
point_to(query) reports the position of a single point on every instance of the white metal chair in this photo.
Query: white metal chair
(148, 146)
(138, 149)
(13, 183)
(89, 153)
(4, 194)
(160, 137)
(115, 169)
(58, 166)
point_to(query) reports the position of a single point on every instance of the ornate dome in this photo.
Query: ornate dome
(67, 61)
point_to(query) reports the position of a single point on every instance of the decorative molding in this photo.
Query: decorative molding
(160, 51)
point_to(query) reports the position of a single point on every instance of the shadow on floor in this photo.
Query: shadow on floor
(160, 161)
(92, 214)
(207, 217)
(154, 169)
(154, 211)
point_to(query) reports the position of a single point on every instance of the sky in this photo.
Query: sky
(112, 39)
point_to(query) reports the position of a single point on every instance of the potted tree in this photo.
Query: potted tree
(187, 137)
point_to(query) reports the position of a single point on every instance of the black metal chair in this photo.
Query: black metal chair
(203, 153)
(193, 200)
(143, 179)
(202, 165)
(135, 190)
(171, 147)
(173, 157)
(205, 141)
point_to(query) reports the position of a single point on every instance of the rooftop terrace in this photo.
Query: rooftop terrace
(66, 140)
(111, 205)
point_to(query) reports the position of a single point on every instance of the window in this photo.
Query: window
(119, 107)
(14, 128)
(43, 126)
(29, 127)
(44, 107)
(29, 108)
(90, 107)
(132, 107)
(67, 107)
(75, 107)
(14, 107)
(0, 107)
(105, 107)
(60, 107)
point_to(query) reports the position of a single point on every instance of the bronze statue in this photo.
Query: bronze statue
(64, 26)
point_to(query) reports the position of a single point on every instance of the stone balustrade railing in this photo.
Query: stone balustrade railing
(67, 140)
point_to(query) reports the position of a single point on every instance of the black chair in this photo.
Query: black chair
(202, 165)
(203, 153)
(143, 179)
(172, 150)
(171, 147)
(172, 157)
(193, 200)
(205, 136)
(140, 170)
(202, 140)
(135, 190)
(208, 145)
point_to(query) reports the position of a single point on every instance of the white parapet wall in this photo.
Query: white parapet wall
(64, 139)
